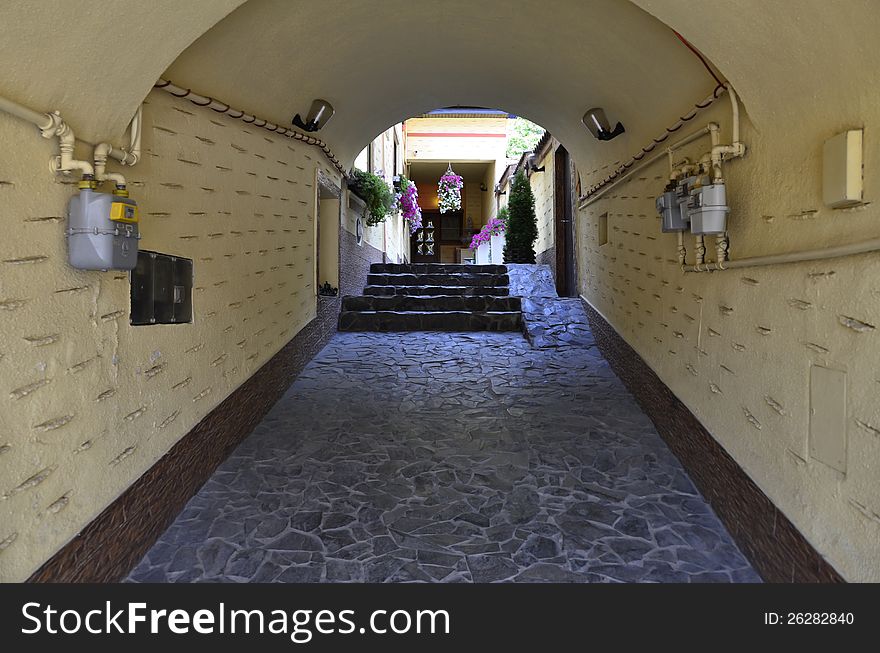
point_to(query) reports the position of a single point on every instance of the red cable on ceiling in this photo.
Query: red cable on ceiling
(700, 57)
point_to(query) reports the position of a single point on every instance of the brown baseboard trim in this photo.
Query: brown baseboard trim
(115, 541)
(768, 539)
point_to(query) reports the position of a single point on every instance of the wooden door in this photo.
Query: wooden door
(440, 232)
(564, 233)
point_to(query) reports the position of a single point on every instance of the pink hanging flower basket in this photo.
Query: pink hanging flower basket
(449, 191)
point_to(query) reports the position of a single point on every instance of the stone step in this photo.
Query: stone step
(435, 268)
(475, 303)
(430, 321)
(495, 291)
(440, 279)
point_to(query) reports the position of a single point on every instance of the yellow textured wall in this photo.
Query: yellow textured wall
(396, 239)
(473, 204)
(88, 403)
(352, 209)
(456, 148)
(488, 197)
(736, 347)
(328, 239)
(542, 188)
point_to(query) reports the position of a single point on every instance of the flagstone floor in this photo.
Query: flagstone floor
(455, 457)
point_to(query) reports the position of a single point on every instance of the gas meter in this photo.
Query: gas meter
(102, 229)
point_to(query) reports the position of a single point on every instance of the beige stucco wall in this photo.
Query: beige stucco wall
(737, 346)
(87, 402)
(328, 239)
(542, 188)
(352, 209)
(489, 210)
(473, 204)
(396, 239)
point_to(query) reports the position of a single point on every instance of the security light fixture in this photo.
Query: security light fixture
(596, 121)
(319, 115)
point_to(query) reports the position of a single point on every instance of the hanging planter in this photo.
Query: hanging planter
(376, 195)
(408, 200)
(449, 191)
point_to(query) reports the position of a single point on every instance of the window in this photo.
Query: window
(161, 289)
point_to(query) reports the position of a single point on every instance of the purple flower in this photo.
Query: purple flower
(408, 199)
(494, 227)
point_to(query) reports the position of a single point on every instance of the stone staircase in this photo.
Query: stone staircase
(433, 297)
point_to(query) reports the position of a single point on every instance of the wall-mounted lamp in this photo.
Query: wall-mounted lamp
(483, 187)
(596, 121)
(319, 115)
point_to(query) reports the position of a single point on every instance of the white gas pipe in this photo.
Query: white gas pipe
(52, 125)
(126, 156)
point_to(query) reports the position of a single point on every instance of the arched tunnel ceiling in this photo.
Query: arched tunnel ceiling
(95, 61)
(379, 62)
(813, 60)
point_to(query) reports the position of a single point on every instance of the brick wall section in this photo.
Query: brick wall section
(771, 542)
(354, 263)
(107, 548)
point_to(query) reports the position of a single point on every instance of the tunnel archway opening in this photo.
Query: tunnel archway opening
(695, 333)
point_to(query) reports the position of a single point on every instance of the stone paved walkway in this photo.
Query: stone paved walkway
(452, 457)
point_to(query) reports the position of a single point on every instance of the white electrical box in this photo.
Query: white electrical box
(842, 170)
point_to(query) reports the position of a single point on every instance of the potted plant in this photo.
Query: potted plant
(375, 193)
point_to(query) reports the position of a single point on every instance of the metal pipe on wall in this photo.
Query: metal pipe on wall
(864, 247)
(42, 120)
(52, 125)
(644, 164)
